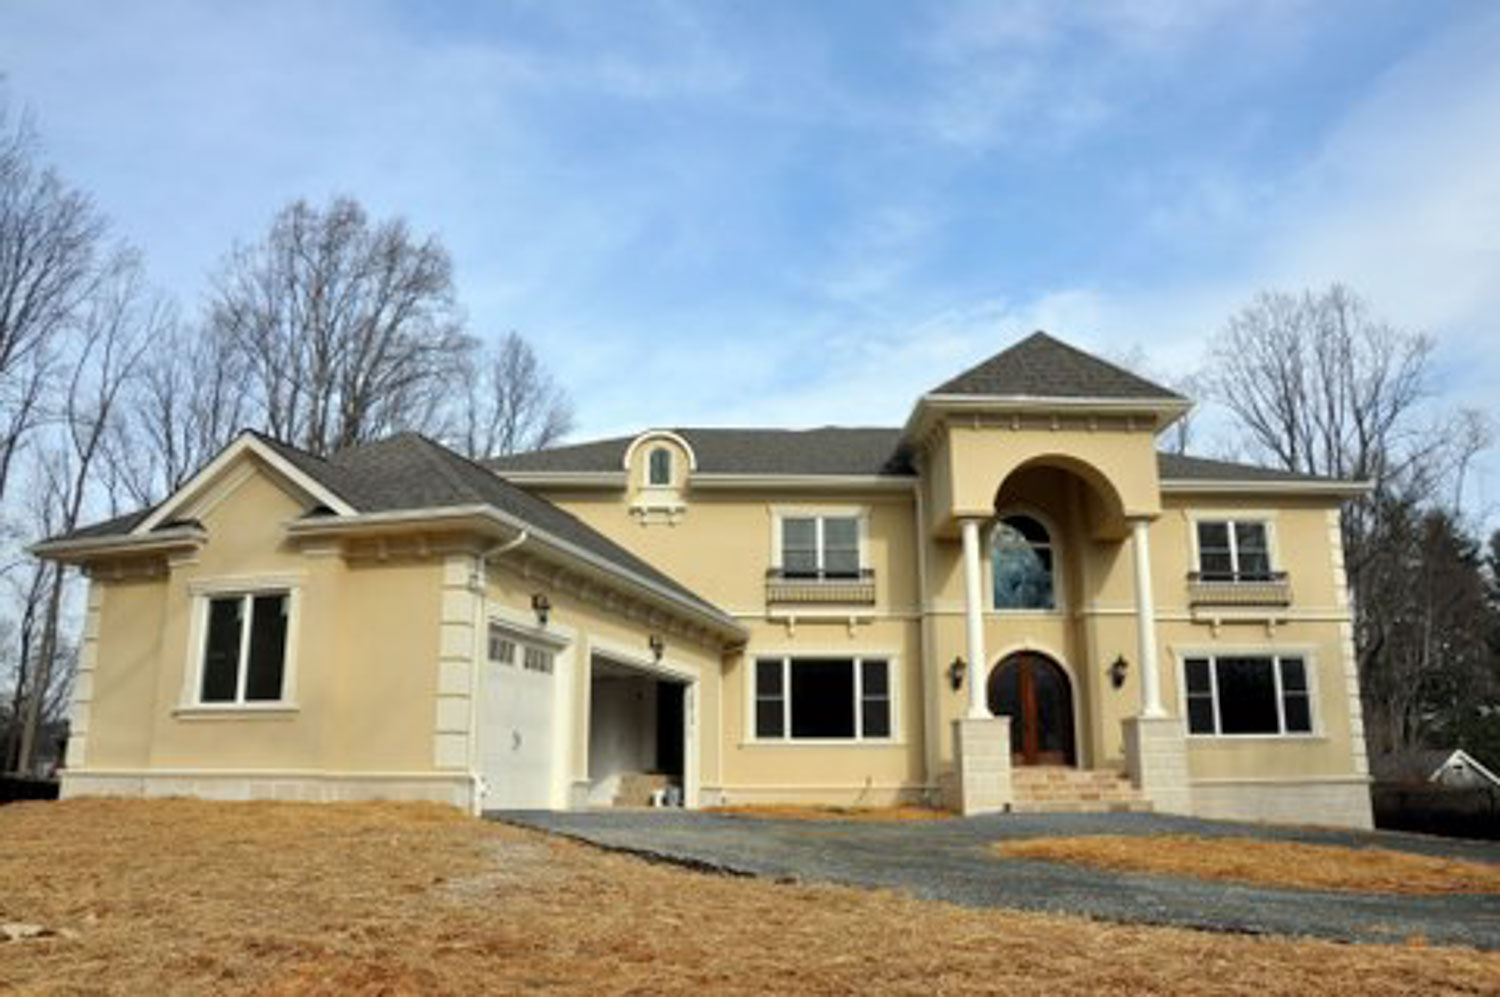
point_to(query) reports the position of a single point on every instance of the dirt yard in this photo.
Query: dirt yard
(1270, 863)
(184, 897)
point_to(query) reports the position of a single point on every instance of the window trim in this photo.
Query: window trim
(751, 736)
(202, 592)
(1059, 600)
(859, 513)
(651, 456)
(1265, 517)
(1307, 653)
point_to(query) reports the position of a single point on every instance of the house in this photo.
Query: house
(1011, 602)
(1451, 767)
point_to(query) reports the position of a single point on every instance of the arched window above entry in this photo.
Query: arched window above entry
(1022, 565)
(660, 471)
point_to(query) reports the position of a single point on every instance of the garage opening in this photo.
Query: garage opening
(637, 736)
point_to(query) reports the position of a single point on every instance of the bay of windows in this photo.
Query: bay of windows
(822, 699)
(1248, 694)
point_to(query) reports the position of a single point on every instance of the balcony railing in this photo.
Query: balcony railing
(821, 587)
(1227, 588)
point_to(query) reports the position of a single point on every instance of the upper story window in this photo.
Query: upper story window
(659, 468)
(820, 546)
(244, 648)
(1233, 550)
(1021, 563)
(1248, 694)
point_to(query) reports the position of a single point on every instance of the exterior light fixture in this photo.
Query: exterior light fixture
(657, 645)
(541, 606)
(956, 673)
(1117, 671)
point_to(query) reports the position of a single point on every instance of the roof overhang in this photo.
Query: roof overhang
(1161, 412)
(580, 480)
(1260, 486)
(486, 520)
(804, 482)
(81, 550)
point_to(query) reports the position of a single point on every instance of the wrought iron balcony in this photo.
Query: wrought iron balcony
(845, 588)
(1229, 588)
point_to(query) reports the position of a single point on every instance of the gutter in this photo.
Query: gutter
(1347, 489)
(82, 548)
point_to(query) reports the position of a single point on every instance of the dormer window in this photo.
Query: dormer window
(659, 468)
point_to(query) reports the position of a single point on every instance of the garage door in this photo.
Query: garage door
(516, 723)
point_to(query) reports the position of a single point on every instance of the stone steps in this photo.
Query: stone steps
(1058, 789)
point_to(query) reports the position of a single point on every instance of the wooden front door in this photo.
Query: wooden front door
(1034, 691)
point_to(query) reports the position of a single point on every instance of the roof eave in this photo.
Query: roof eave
(485, 518)
(1165, 410)
(81, 550)
(808, 482)
(563, 479)
(1261, 486)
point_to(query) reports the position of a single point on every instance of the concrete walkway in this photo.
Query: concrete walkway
(947, 860)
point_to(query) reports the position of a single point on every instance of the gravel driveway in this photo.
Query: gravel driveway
(947, 860)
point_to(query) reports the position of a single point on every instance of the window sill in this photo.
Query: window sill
(236, 711)
(848, 742)
(1249, 738)
(1050, 614)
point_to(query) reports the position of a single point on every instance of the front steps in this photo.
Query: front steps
(1057, 789)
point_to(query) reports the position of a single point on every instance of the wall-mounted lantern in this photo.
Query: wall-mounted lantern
(956, 674)
(1118, 670)
(542, 607)
(658, 646)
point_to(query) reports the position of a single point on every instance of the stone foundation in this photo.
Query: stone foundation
(1156, 759)
(981, 757)
(287, 786)
(1328, 802)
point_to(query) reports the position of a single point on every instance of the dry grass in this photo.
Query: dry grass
(183, 897)
(780, 811)
(1275, 863)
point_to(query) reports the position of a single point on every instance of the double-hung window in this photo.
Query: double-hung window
(1248, 694)
(245, 648)
(1233, 550)
(822, 699)
(820, 546)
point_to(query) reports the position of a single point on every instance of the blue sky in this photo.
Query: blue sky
(806, 213)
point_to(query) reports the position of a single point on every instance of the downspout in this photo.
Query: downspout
(479, 587)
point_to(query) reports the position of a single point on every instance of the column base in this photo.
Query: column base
(1156, 758)
(981, 758)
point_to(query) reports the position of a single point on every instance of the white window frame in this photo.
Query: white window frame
(857, 659)
(1308, 655)
(246, 587)
(1059, 600)
(1230, 517)
(859, 513)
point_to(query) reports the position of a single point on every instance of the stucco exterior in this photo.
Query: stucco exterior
(389, 616)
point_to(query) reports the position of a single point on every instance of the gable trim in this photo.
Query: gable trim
(245, 442)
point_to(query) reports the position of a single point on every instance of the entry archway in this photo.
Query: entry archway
(1036, 693)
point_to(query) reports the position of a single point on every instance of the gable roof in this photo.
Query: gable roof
(1041, 366)
(1421, 765)
(407, 472)
(827, 450)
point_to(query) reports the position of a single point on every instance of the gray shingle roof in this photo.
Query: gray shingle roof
(829, 450)
(409, 471)
(1180, 467)
(1040, 366)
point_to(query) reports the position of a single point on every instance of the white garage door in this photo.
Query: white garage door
(516, 724)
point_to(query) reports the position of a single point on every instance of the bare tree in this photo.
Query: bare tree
(1322, 387)
(120, 319)
(51, 242)
(348, 330)
(510, 404)
(187, 402)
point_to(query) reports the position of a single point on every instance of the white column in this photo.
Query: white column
(1145, 620)
(974, 620)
